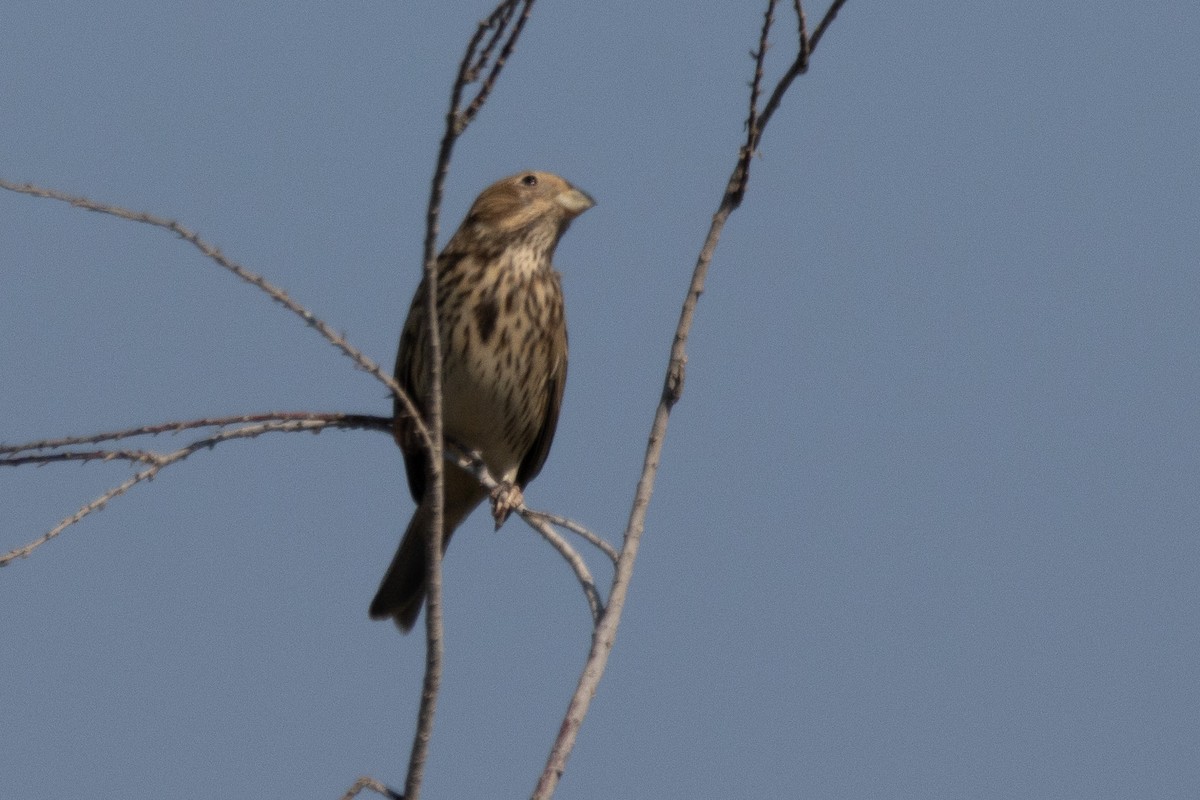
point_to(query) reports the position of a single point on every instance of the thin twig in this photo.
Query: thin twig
(214, 254)
(133, 456)
(754, 122)
(804, 47)
(374, 785)
(578, 565)
(760, 56)
(336, 418)
(578, 530)
(497, 23)
(159, 464)
(826, 21)
(800, 65)
(457, 120)
(35, 452)
(605, 633)
(489, 83)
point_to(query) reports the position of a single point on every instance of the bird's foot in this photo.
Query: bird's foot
(506, 498)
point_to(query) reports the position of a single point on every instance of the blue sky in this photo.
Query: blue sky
(927, 519)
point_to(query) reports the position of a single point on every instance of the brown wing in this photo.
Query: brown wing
(535, 457)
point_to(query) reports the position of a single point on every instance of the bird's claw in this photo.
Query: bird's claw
(506, 498)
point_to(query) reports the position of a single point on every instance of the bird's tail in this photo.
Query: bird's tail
(402, 591)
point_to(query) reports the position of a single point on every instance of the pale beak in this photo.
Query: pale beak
(574, 201)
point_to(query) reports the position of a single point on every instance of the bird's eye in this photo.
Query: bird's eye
(529, 180)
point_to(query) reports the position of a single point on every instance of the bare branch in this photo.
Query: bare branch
(805, 46)
(605, 633)
(161, 462)
(760, 56)
(473, 63)
(800, 65)
(539, 524)
(213, 253)
(336, 419)
(575, 528)
(133, 456)
(826, 21)
(497, 23)
(753, 124)
(499, 20)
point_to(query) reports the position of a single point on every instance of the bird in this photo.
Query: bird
(503, 334)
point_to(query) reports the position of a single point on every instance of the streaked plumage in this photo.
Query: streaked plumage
(504, 360)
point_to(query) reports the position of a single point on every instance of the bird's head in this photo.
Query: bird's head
(527, 203)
